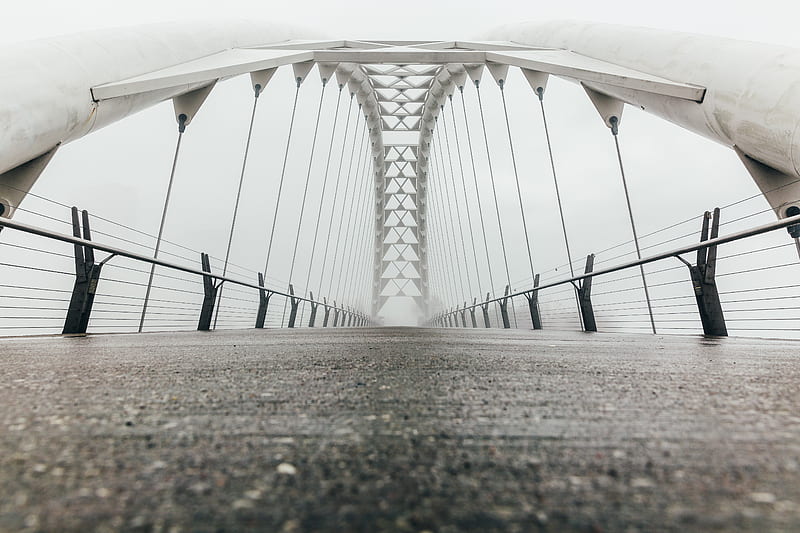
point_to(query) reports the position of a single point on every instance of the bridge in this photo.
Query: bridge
(589, 345)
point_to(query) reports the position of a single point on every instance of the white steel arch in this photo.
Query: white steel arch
(744, 95)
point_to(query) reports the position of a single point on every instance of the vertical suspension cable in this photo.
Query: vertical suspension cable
(540, 93)
(516, 179)
(446, 196)
(444, 282)
(353, 197)
(369, 252)
(280, 183)
(257, 90)
(444, 235)
(464, 190)
(455, 197)
(494, 192)
(358, 229)
(353, 292)
(322, 197)
(448, 282)
(344, 201)
(372, 261)
(614, 130)
(477, 193)
(336, 188)
(352, 242)
(305, 190)
(435, 248)
(181, 129)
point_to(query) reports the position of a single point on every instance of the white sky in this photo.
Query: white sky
(771, 21)
(674, 174)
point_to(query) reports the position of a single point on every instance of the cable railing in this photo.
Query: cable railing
(616, 304)
(111, 299)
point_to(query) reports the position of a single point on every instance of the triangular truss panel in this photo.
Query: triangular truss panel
(401, 92)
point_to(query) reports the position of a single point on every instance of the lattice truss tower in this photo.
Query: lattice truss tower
(401, 248)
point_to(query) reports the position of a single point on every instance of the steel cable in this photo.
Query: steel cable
(494, 190)
(455, 196)
(336, 186)
(238, 197)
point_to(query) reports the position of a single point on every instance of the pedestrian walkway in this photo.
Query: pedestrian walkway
(399, 429)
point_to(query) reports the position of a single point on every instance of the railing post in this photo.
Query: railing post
(504, 309)
(533, 304)
(463, 311)
(313, 310)
(210, 290)
(263, 302)
(472, 312)
(335, 314)
(327, 312)
(349, 317)
(703, 280)
(485, 308)
(87, 275)
(585, 297)
(294, 303)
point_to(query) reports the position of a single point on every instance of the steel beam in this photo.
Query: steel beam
(704, 283)
(585, 297)
(87, 275)
(209, 296)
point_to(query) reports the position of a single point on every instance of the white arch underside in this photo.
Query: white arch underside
(744, 95)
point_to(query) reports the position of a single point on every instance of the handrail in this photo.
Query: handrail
(42, 232)
(758, 230)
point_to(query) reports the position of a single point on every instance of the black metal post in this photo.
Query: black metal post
(210, 290)
(504, 309)
(313, 310)
(327, 313)
(263, 302)
(703, 280)
(533, 304)
(87, 275)
(472, 312)
(585, 297)
(336, 312)
(294, 303)
(464, 315)
(485, 307)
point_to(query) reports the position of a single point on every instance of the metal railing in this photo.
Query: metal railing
(117, 309)
(629, 313)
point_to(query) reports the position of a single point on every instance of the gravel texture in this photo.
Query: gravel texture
(399, 429)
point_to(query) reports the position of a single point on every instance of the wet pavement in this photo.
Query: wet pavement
(399, 429)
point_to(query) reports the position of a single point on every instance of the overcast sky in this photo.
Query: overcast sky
(767, 20)
(121, 171)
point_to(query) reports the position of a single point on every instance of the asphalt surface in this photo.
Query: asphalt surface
(399, 429)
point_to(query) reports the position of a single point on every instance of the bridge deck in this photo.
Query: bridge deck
(399, 429)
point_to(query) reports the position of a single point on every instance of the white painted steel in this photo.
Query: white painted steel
(744, 95)
(753, 89)
(45, 96)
